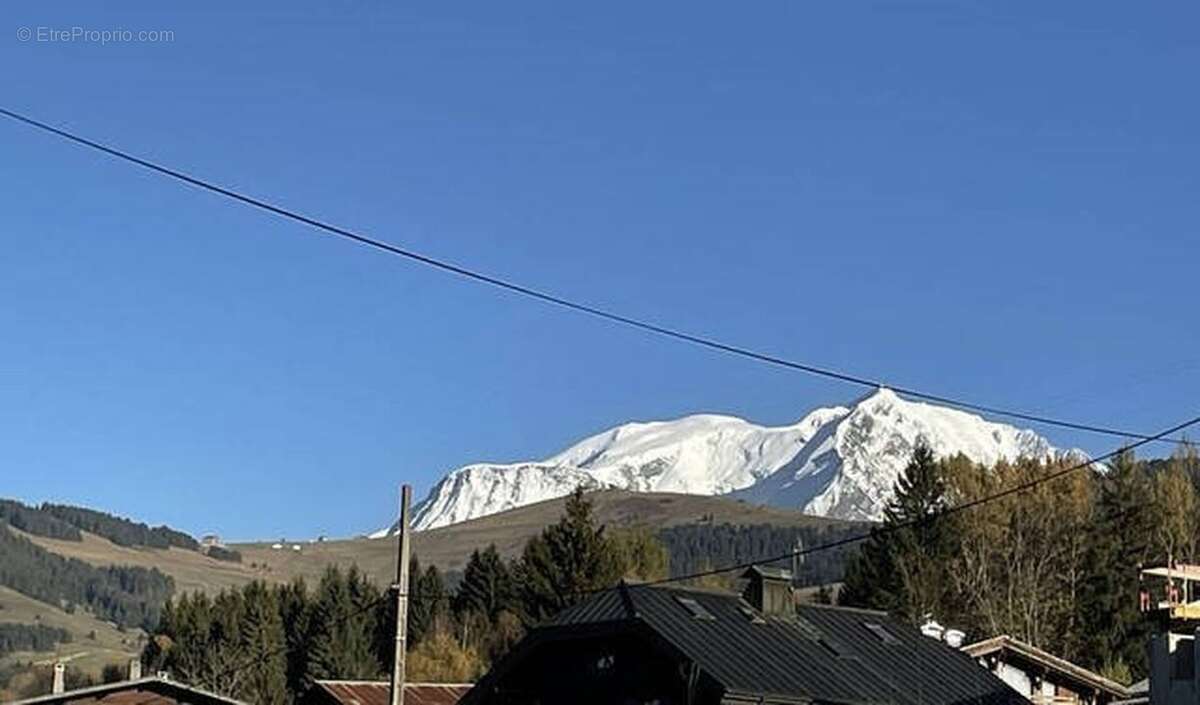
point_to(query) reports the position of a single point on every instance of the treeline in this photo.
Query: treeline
(698, 547)
(30, 637)
(62, 521)
(267, 644)
(37, 522)
(121, 531)
(1055, 564)
(221, 553)
(127, 595)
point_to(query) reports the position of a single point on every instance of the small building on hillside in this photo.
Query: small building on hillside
(334, 692)
(211, 541)
(1042, 677)
(683, 646)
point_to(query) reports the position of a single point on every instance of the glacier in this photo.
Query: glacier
(839, 461)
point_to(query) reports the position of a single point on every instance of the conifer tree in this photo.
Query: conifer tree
(487, 585)
(263, 643)
(566, 561)
(901, 567)
(295, 614)
(1120, 544)
(342, 629)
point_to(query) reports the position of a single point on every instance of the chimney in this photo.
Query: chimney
(60, 670)
(135, 669)
(769, 590)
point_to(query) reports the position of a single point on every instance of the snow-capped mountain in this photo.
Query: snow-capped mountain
(836, 461)
(850, 467)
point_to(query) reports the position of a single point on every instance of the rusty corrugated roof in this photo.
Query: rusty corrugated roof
(377, 692)
(144, 691)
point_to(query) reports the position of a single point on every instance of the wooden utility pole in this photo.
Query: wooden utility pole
(401, 590)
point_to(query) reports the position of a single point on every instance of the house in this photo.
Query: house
(684, 646)
(334, 692)
(1174, 658)
(1043, 677)
(139, 691)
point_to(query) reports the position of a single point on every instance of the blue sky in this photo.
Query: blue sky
(996, 202)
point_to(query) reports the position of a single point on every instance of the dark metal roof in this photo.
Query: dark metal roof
(827, 654)
(379, 692)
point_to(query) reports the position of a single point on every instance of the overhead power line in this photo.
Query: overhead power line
(939, 516)
(556, 300)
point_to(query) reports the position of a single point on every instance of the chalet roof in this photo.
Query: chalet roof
(351, 692)
(768, 571)
(143, 691)
(1063, 667)
(826, 654)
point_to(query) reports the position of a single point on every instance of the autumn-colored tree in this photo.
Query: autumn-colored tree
(641, 554)
(1020, 561)
(440, 658)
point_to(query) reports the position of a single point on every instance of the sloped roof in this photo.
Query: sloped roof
(379, 692)
(143, 691)
(1047, 660)
(828, 654)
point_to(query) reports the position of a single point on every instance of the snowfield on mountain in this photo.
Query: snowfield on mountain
(839, 462)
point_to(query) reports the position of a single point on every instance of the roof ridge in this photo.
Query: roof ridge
(120, 685)
(845, 608)
(356, 681)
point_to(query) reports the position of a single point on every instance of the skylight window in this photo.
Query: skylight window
(827, 642)
(884, 635)
(698, 611)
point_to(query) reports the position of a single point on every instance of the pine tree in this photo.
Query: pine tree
(342, 629)
(901, 567)
(1120, 544)
(263, 642)
(565, 562)
(487, 585)
(295, 614)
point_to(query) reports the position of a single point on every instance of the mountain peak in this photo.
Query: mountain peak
(835, 461)
(880, 396)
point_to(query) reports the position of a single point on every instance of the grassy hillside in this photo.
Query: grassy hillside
(447, 547)
(190, 569)
(94, 643)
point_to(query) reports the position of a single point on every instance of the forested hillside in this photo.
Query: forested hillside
(30, 637)
(37, 522)
(121, 531)
(128, 596)
(698, 547)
